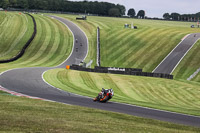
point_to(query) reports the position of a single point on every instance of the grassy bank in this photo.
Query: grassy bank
(16, 29)
(135, 48)
(28, 115)
(144, 47)
(157, 93)
(51, 46)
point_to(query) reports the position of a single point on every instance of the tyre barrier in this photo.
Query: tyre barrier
(21, 53)
(124, 71)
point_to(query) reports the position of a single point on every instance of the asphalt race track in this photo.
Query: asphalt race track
(29, 81)
(169, 64)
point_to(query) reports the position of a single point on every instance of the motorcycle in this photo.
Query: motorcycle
(104, 95)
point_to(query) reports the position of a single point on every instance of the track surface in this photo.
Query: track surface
(29, 81)
(168, 65)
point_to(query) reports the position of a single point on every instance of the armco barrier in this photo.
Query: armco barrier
(21, 53)
(125, 71)
(98, 48)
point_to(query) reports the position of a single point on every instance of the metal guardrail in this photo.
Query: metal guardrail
(98, 47)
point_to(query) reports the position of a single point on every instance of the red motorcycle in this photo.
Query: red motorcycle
(104, 95)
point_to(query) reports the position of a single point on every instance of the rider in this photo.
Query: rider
(103, 93)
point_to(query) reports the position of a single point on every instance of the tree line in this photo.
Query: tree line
(182, 17)
(99, 8)
(131, 13)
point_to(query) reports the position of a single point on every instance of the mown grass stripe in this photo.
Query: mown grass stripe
(88, 81)
(125, 32)
(16, 42)
(51, 45)
(110, 55)
(127, 87)
(139, 50)
(180, 98)
(78, 85)
(5, 25)
(152, 64)
(138, 89)
(159, 94)
(37, 43)
(145, 54)
(168, 94)
(152, 49)
(8, 38)
(65, 43)
(47, 37)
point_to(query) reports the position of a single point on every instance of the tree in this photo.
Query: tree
(175, 16)
(166, 16)
(22, 4)
(122, 9)
(114, 12)
(86, 6)
(5, 4)
(141, 14)
(13, 3)
(131, 13)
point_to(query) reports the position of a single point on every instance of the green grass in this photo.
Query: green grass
(176, 96)
(2, 17)
(51, 46)
(27, 115)
(143, 48)
(189, 64)
(197, 78)
(16, 29)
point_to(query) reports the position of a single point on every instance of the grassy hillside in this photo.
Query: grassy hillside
(2, 17)
(28, 115)
(16, 29)
(157, 93)
(144, 47)
(141, 48)
(51, 46)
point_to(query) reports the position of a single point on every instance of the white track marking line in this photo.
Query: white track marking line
(185, 55)
(73, 38)
(170, 52)
(68, 57)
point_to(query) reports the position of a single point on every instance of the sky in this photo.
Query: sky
(156, 8)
